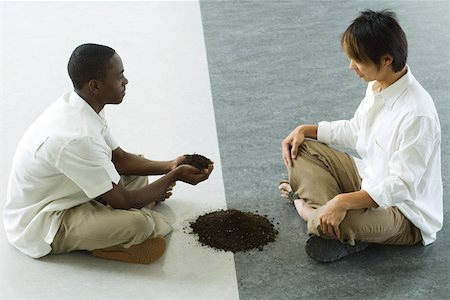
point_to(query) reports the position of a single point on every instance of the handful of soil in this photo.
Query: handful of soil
(196, 160)
(234, 230)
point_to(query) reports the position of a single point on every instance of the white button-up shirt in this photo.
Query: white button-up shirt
(63, 160)
(397, 134)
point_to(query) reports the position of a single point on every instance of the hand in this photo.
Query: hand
(290, 145)
(192, 175)
(331, 216)
(177, 161)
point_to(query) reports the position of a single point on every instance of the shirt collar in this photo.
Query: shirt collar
(80, 103)
(395, 90)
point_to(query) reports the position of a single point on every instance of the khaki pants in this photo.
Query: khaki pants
(93, 225)
(319, 173)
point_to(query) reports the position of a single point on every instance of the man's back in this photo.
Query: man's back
(49, 171)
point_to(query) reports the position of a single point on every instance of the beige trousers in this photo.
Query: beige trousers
(93, 225)
(319, 173)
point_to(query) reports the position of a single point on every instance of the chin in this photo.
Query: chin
(365, 79)
(116, 101)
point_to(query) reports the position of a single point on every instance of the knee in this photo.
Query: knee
(307, 143)
(304, 147)
(141, 181)
(141, 225)
(312, 146)
(307, 152)
(133, 182)
(352, 221)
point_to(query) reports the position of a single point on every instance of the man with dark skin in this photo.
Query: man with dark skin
(73, 188)
(112, 91)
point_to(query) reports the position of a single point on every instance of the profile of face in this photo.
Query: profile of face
(368, 71)
(112, 87)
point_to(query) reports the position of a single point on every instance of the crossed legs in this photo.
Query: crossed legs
(318, 174)
(133, 236)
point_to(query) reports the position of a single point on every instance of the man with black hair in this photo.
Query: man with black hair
(73, 188)
(393, 194)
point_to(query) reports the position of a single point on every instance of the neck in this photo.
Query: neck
(391, 78)
(96, 105)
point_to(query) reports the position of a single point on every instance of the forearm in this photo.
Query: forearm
(131, 164)
(138, 165)
(121, 198)
(334, 211)
(356, 200)
(310, 131)
(150, 193)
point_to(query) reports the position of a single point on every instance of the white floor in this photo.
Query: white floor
(167, 112)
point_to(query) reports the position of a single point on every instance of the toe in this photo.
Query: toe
(285, 187)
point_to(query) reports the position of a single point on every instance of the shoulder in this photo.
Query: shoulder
(417, 103)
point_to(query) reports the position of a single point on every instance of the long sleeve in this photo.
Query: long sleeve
(418, 145)
(342, 133)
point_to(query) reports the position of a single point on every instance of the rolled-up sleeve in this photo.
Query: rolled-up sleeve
(342, 133)
(324, 132)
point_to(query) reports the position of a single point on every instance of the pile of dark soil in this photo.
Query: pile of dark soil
(196, 160)
(234, 230)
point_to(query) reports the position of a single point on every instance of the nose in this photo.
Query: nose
(125, 81)
(352, 65)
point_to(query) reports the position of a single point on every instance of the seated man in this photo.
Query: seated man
(73, 188)
(393, 194)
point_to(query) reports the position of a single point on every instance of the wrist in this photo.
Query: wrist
(309, 131)
(342, 202)
(172, 165)
(302, 129)
(174, 174)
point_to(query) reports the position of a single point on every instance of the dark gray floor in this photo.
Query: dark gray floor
(274, 65)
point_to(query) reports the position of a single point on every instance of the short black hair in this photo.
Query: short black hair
(374, 34)
(87, 62)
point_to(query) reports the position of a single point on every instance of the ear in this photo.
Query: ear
(94, 86)
(387, 60)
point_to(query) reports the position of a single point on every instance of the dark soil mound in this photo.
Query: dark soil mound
(234, 230)
(196, 160)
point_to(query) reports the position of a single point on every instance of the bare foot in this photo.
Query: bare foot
(286, 192)
(303, 208)
(162, 198)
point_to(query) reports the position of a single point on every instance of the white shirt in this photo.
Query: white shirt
(63, 160)
(397, 134)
